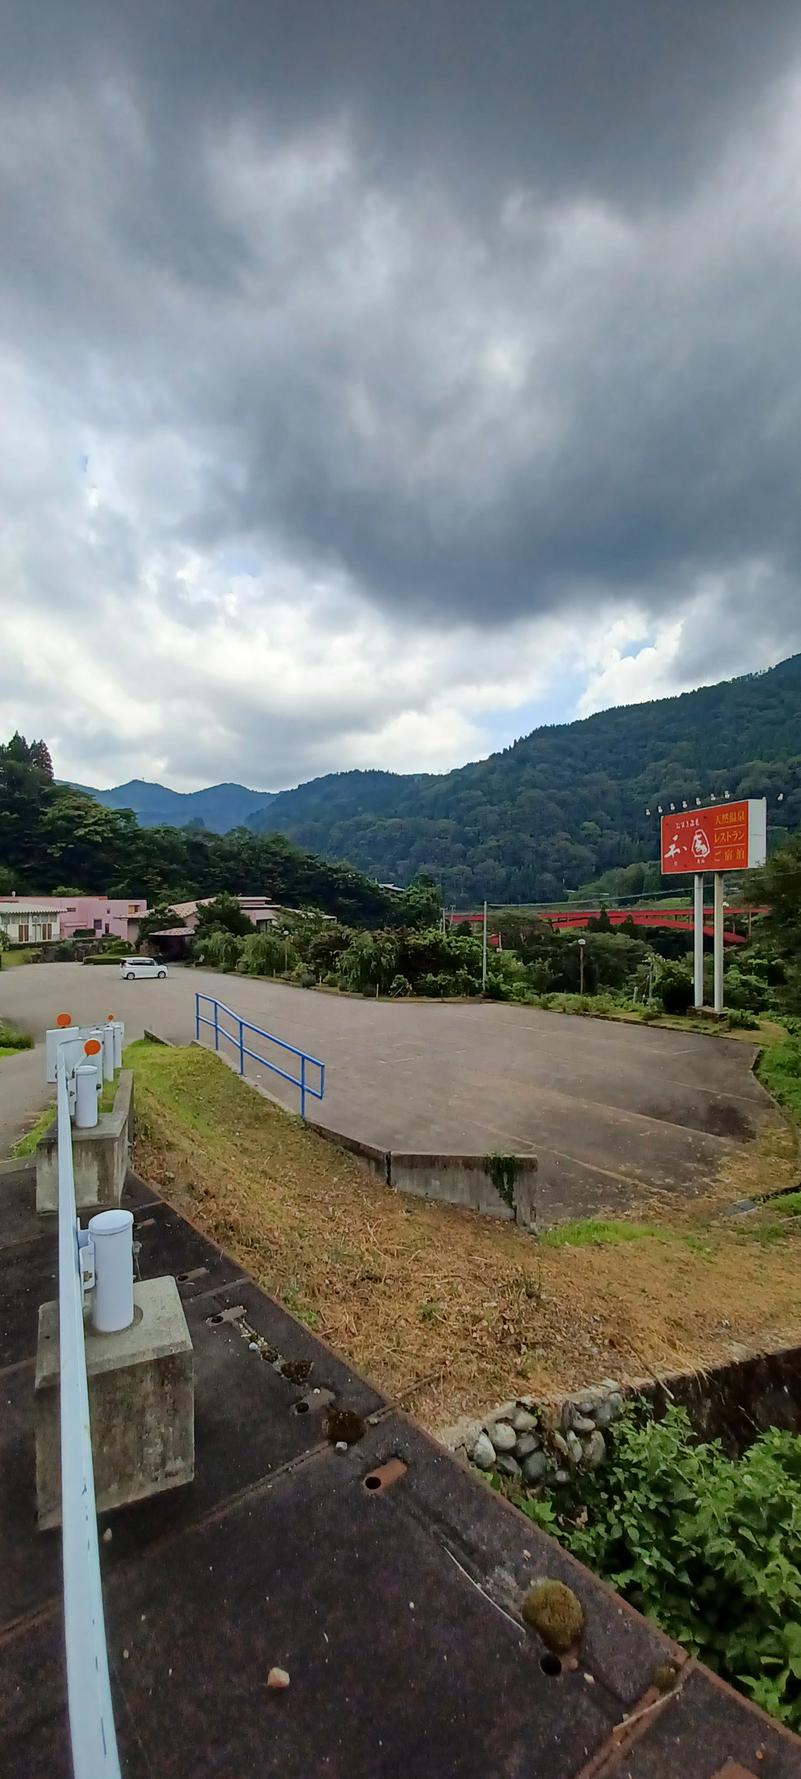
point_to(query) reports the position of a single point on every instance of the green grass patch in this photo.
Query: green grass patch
(11, 1040)
(779, 1071)
(109, 1094)
(789, 1204)
(697, 1245)
(11, 960)
(27, 1144)
(597, 1232)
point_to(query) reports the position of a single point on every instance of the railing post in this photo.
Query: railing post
(241, 1047)
(216, 1026)
(197, 1016)
(303, 1086)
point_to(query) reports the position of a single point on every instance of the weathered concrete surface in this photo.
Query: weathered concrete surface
(100, 1157)
(23, 1091)
(454, 1179)
(394, 1609)
(609, 1109)
(465, 1180)
(141, 1402)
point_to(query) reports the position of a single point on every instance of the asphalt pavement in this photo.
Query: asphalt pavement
(609, 1109)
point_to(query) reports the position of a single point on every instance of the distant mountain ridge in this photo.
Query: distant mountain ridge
(220, 807)
(551, 812)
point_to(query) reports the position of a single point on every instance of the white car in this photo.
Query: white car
(131, 967)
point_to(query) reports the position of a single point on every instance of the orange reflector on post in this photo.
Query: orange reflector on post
(64, 1019)
(92, 1046)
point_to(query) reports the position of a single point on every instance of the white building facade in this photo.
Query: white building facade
(28, 922)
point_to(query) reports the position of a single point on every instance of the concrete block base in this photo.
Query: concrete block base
(99, 1156)
(141, 1403)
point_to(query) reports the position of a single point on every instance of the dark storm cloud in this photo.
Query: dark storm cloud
(480, 307)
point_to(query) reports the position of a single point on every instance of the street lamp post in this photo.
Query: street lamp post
(582, 943)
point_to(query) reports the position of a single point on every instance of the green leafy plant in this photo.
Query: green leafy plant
(708, 1545)
(503, 1171)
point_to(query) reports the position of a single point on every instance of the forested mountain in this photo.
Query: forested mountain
(567, 802)
(220, 807)
(58, 840)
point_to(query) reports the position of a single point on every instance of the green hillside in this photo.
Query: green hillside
(220, 807)
(565, 804)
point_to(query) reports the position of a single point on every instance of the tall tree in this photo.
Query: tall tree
(40, 758)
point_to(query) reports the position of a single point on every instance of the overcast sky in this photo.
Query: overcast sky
(379, 380)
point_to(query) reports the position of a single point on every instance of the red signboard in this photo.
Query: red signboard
(724, 837)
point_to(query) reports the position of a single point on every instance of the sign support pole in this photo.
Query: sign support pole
(484, 953)
(718, 943)
(698, 937)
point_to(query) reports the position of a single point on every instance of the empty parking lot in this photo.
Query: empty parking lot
(611, 1110)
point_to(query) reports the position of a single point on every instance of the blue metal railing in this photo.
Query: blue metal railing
(314, 1086)
(92, 1733)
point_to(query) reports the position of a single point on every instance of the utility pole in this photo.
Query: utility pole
(484, 954)
(582, 943)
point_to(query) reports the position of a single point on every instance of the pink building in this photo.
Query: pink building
(118, 918)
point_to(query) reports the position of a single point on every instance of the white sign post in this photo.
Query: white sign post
(721, 837)
(698, 938)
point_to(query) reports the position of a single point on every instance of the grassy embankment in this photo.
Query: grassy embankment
(445, 1308)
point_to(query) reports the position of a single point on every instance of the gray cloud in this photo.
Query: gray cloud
(443, 312)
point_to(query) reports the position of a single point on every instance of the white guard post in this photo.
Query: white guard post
(108, 1053)
(85, 1096)
(698, 938)
(111, 1233)
(74, 1036)
(118, 1029)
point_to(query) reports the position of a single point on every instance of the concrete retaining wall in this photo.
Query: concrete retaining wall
(453, 1179)
(464, 1180)
(100, 1157)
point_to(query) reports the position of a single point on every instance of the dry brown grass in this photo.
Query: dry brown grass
(442, 1306)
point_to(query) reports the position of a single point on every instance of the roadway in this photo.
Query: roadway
(611, 1110)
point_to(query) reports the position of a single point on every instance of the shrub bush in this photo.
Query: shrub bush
(218, 948)
(11, 1039)
(262, 954)
(708, 1545)
(675, 991)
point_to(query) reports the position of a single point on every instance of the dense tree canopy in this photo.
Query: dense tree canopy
(566, 806)
(51, 835)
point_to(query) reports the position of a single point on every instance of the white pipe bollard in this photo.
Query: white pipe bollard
(118, 1029)
(112, 1300)
(85, 1096)
(108, 1053)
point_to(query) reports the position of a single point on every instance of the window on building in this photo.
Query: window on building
(23, 932)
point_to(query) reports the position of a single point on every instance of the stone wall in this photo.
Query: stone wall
(544, 1442)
